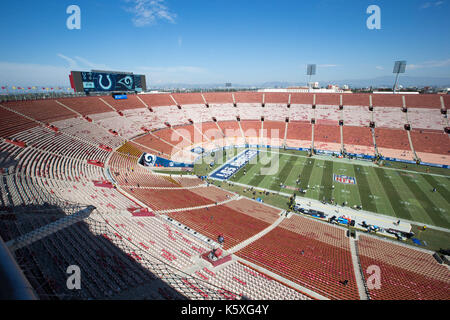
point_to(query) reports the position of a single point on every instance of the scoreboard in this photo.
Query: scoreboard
(104, 81)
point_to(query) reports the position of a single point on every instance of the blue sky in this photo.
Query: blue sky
(217, 41)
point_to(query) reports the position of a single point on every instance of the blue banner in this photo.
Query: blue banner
(150, 160)
(120, 97)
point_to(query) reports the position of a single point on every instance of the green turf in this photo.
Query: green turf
(396, 192)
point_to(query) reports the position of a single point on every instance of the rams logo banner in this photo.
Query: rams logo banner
(344, 179)
(148, 160)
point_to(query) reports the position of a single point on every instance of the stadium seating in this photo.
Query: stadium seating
(218, 97)
(132, 102)
(46, 111)
(177, 198)
(406, 273)
(11, 123)
(358, 140)
(250, 283)
(393, 143)
(306, 252)
(155, 100)
(188, 98)
(276, 98)
(86, 105)
(249, 97)
(53, 147)
(299, 134)
(211, 222)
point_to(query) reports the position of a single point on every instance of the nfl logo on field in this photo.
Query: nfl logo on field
(344, 179)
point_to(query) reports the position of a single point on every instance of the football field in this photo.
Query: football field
(394, 192)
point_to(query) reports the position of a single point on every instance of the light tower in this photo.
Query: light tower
(399, 67)
(310, 71)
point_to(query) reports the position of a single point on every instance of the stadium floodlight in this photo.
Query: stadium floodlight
(399, 67)
(310, 71)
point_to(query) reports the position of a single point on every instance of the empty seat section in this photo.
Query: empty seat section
(389, 117)
(276, 112)
(223, 112)
(431, 141)
(195, 112)
(301, 98)
(276, 98)
(155, 143)
(312, 255)
(210, 130)
(218, 97)
(392, 138)
(132, 102)
(172, 137)
(86, 105)
(248, 97)
(327, 137)
(230, 128)
(327, 115)
(358, 140)
(426, 119)
(169, 199)
(12, 123)
(251, 129)
(406, 273)
(213, 193)
(299, 134)
(171, 115)
(45, 111)
(387, 100)
(393, 143)
(233, 225)
(255, 209)
(356, 116)
(428, 101)
(154, 100)
(188, 133)
(327, 133)
(250, 111)
(327, 99)
(274, 132)
(301, 113)
(188, 98)
(355, 99)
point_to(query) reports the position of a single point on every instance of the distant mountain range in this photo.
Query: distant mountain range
(386, 81)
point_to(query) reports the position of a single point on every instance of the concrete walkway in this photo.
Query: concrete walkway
(357, 270)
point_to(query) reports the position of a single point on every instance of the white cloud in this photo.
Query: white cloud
(379, 68)
(72, 63)
(429, 64)
(428, 4)
(180, 41)
(92, 65)
(327, 65)
(147, 12)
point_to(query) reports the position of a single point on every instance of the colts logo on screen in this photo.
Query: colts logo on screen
(344, 179)
(148, 160)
